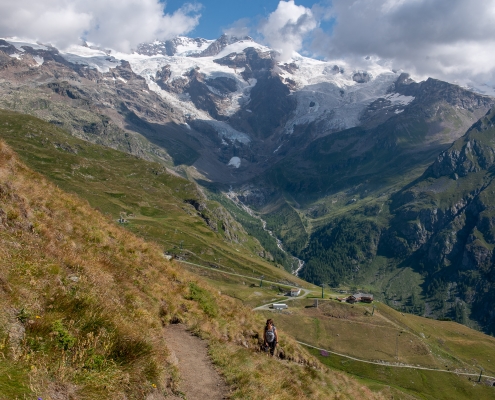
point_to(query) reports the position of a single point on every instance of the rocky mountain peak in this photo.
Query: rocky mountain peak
(221, 43)
(179, 45)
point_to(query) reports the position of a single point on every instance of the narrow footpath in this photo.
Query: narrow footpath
(396, 365)
(198, 377)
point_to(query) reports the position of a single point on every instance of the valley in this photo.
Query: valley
(193, 181)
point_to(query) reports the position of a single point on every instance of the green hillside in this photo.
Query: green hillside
(378, 339)
(86, 302)
(156, 204)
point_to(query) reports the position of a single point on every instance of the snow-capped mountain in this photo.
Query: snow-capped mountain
(179, 46)
(305, 141)
(231, 95)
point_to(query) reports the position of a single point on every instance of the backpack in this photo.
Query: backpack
(270, 335)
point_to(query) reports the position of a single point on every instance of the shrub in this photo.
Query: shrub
(64, 339)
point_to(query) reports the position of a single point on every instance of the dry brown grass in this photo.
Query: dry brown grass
(86, 303)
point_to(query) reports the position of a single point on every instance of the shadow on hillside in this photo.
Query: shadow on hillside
(175, 139)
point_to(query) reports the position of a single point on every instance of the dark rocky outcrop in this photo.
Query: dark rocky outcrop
(7, 48)
(162, 76)
(361, 77)
(253, 61)
(223, 84)
(435, 90)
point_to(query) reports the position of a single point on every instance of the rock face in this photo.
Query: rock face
(444, 224)
(221, 43)
(269, 108)
(360, 77)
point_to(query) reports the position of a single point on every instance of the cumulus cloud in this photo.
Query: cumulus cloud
(239, 28)
(448, 39)
(286, 28)
(117, 24)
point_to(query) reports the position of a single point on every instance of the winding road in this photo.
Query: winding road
(385, 364)
(304, 293)
(243, 276)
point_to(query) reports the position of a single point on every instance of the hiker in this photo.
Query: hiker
(270, 336)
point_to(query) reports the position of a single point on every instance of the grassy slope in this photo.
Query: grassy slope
(352, 330)
(115, 182)
(246, 376)
(80, 292)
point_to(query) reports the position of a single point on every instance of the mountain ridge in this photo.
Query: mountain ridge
(304, 143)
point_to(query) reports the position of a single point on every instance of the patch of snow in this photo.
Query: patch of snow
(84, 51)
(398, 111)
(189, 111)
(91, 57)
(338, 99)
(396, 98)
(19, 42)
(121, 79)
(148, 66)
(188, 46)
(486, 89)
(15, 55)
(39, 60)
(215, 91)
(226, 131)
(235, 162)
(239, 47)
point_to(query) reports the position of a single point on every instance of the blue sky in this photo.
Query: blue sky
(217, 15)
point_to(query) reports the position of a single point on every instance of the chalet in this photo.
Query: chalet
(279, 306)
(294, 292)
(362, 297)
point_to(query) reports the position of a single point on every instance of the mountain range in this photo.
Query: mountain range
(371, 179)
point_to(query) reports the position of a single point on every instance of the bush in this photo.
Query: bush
(64, 339)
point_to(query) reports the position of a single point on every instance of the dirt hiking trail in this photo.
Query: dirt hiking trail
(199, 378)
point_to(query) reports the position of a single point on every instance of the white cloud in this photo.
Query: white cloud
(447, 39)
(286, 28)
(239, 28)
(117, 24)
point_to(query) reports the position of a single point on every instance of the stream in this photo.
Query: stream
(300, 263)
